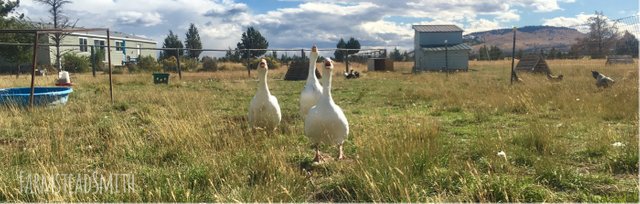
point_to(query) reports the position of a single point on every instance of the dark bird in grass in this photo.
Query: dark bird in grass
(602, 80)
(552, 77)
(352, 74)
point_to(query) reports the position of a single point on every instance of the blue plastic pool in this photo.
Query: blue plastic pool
(43, 96)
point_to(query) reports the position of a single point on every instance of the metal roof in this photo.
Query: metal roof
(437, 28)
(461, 46)
(101, 34)
(113, 34)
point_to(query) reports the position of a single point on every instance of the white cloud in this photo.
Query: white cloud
(509, 16)
(482, 25)
(545, 5)
(577, 22)
(138, 18)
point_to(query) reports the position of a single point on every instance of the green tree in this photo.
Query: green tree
(627, 45)
(495, 52)
(192, 41)
(395, 55)
(8, 7)
(171, 41)
(232, 55)
(559, 55)
(59, 21)
(600, 39)
(339, 54)
(353, 44)
(407, 56)
(553, 53)
(14, 54)
(482, 53)
(252, 39)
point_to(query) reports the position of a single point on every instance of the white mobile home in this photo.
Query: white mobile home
(124, 48)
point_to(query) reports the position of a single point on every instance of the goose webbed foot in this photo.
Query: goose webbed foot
(341, 153)
(317, 158)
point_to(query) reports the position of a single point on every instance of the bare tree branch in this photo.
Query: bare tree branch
(59, 20)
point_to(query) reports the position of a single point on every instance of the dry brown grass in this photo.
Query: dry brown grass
(429, 137)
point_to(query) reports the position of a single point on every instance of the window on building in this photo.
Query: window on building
(99, 45)
(119, 45)
(83, 44)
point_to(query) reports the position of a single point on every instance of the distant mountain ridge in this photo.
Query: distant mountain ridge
(528, 38)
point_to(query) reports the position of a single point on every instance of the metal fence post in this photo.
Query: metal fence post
(93, 61)
(513, 56)
(109, 64)
(34, 62)
(178, 63)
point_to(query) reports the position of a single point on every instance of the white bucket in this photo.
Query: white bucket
(63, 77)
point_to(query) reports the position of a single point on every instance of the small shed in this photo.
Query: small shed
(619, 59)
(379, 64)
(299, 70)
(439, 47)
(533, 63)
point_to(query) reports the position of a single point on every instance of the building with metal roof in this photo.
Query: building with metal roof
(440, 48)
(437, 28)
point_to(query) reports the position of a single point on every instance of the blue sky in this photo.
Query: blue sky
(301, 23)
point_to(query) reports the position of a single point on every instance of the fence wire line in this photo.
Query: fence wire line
(204, 50)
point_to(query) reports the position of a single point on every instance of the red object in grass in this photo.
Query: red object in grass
(64, 84)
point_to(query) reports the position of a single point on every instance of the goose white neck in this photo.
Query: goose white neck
(326, 84)
(312, 67)
(263, 88)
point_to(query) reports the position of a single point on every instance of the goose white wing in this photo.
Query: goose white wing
(309, 97)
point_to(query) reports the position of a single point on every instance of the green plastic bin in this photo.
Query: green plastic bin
(161, 78)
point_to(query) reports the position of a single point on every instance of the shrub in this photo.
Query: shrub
(231, 66)
(188, 64)
(117, 70)
(132, 68)
(75, 63)
(209, 64)
(98, 59)
(273, 63)
(148, 63)
(169, 64)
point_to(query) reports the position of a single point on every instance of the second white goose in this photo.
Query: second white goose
(312, 89)
(264, 110)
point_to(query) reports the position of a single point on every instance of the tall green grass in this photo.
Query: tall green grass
(429, 137)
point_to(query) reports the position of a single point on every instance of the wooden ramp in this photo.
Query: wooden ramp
(619, 59)
(298, 70)
(533, 63)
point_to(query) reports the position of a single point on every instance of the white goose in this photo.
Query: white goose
(326, 123)
(264, 111)
(312, 90)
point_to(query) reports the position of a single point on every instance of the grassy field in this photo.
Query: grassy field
(428, 137)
